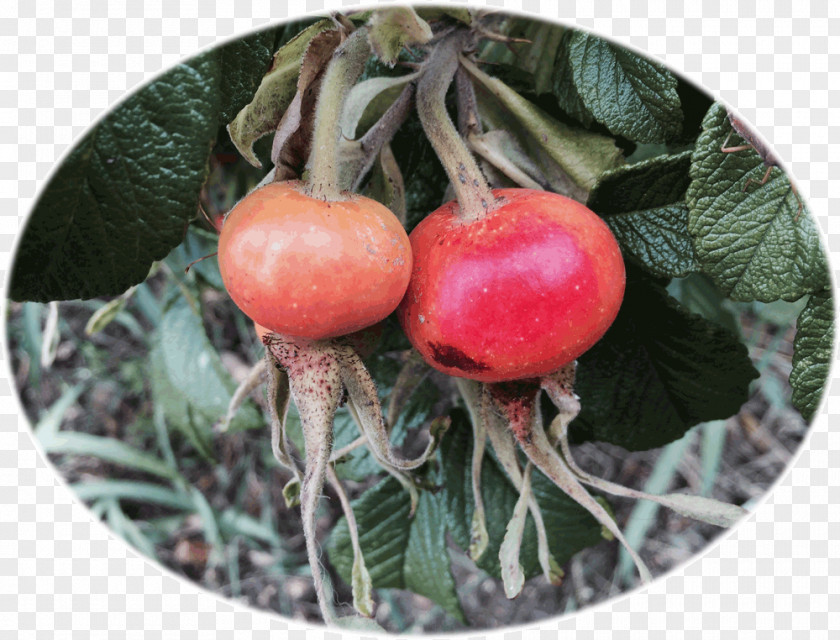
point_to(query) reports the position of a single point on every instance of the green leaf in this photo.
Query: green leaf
(698, 294)
(132, 490)
(123, 196)
(274, 94)
(632, 96)
(393, 28)
(426, 567)
(189, 380)
(812, 351)
(400, 552)
(108, 449)
(750, 242)
(570, 527)
(657, 372)
(643, 205)
(50, 422)
(240, 65)
(563, 83)
(563, 153)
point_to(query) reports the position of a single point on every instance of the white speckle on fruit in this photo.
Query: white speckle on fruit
(421, 318)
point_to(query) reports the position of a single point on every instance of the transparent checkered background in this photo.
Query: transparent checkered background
(64, 575)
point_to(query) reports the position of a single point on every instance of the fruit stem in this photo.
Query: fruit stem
(474, 195)
(344, 69)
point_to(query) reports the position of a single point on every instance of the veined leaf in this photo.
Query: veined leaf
(812, 351)
(643, 204)
(632, 96)
(751, 242)
(123, 196)
(400, 552)
(657, 372)
(563, 83)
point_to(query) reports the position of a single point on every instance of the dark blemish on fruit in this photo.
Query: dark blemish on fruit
(449, 356)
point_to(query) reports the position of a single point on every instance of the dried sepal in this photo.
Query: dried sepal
(362, 395)
(502, 442)
(245, 388)
(518, 402)
(278, 395)
(290, 147)
(559, 388)
(314, 377)
(473, 393)
(276, 91)
(403, 478)
(513, 577)
(362, 585)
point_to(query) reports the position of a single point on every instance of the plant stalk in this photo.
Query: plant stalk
(344, 69)
(471, 189)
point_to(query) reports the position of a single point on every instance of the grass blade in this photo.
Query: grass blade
(108, 449)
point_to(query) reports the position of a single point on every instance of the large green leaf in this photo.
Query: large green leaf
(189, 380)
(643, 205)
(400, 552)
(657, 372)
(563, 83)
(812, 350)
(632, 96)
(750, 242)
(570, 527)
(123, 196)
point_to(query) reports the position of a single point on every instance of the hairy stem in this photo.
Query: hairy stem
(474, 195)
(344, 69)
(468, 120)
(378, 136)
